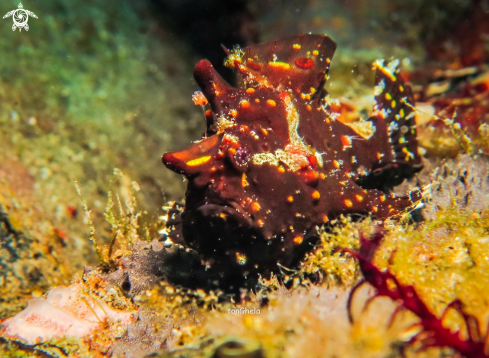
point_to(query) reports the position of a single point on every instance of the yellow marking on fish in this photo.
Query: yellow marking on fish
(391, 76)
(281, 65)
(198, 161)
(409, 155)
(293, 123)
(298, 240)
(359, 198)
(393, 104)
(244, 104)
(244, 181)
(255, 207)
(241, 258)
(296, 46)
(348, 203)
(315, 52)
(316, 195)
(271, 103)
(388, 96)
(379, 64)
(216, 91)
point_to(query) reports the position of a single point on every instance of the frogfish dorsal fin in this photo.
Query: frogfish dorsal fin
(299, 64)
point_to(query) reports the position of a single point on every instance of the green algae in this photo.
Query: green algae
(89, 88)
(105, 94)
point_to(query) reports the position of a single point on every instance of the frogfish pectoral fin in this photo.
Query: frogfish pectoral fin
(195, 158)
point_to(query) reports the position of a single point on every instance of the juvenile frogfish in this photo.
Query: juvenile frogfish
(275, 164)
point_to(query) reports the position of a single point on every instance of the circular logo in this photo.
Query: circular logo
(20, 17)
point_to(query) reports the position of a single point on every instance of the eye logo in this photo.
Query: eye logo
(20, 17)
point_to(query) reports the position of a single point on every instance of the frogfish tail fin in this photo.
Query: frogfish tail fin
(394, 103)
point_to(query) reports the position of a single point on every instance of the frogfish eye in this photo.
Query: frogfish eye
(242, 157)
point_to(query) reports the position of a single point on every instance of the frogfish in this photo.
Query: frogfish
(275, 164)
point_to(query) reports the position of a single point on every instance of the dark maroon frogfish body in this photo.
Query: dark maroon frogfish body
(275, 163)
